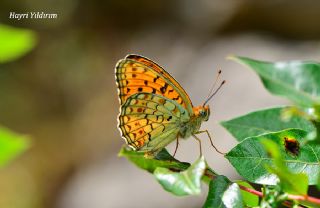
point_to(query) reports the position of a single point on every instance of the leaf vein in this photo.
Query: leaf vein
(287, 161)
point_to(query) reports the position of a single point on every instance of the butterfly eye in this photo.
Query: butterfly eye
(202, 113)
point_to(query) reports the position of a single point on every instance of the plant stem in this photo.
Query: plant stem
(304, 198)
(260, 194)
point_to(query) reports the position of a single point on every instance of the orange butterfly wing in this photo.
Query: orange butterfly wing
(136, 74)
(153, 104)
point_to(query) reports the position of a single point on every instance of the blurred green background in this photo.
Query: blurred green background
(62, 93)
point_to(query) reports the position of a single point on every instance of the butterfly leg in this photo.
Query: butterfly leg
(206, 131)
(194, 136)
(177, 144)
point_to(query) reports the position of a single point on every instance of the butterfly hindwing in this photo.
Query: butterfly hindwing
(136, 74)
(148, 122)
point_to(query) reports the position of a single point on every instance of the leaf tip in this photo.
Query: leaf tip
(231, 57)
(222, 123)
(122, 152)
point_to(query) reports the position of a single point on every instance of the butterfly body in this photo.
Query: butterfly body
(155, 110)
(192, 126)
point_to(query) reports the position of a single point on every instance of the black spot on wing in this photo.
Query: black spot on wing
(164, 88)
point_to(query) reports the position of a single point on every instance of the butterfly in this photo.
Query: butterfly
(154, 109)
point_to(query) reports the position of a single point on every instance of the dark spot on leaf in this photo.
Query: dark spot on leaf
(292, 146)
(139, 110)
(128, 90)
(140, 89)
(154, 91)
(169, 118)
(134, 75)
(145, 82)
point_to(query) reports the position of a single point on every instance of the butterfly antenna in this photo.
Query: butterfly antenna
(215, 92)
(214, 83)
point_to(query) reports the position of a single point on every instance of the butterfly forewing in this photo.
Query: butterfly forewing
(149, 122)
(136, 74)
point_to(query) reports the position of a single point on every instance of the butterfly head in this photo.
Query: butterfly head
(202, 112)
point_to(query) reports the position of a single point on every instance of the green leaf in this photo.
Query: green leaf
(15, 42)
(292, 183)
(264, 121)
(250, 200)
(223, 194)
(296, 80)
(187, 182)
(309, 114)
(11, 145)
(249, 157)
(163, 159)
(318, 183)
